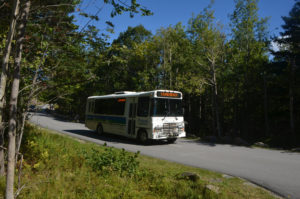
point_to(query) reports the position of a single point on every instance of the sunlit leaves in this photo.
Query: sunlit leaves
(119, 7)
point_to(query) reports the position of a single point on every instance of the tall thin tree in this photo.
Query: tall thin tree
(6, 55)
(12, 125)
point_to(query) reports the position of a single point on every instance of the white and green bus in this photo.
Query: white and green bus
(156, 115)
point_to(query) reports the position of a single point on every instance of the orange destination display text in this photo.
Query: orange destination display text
(169, 94)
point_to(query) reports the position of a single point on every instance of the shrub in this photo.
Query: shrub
(112, 160)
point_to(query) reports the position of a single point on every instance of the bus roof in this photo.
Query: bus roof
(154, 93)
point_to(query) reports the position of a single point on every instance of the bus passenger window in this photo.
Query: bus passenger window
(89, 107)
(143, 106)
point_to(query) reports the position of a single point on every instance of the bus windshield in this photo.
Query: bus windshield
(166, 107)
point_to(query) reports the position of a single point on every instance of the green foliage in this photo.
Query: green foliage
(208, 47)
(286, 69)
(133, 8)
(133, 36)
(112, 160)
(246, 58)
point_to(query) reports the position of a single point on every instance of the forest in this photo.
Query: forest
(233, 85)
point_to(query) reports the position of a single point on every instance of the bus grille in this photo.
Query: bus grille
(170, 129)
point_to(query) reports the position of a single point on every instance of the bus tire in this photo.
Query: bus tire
(142, 137)
(171, 140)
(99, 129)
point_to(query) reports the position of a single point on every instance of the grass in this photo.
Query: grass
(57, 166)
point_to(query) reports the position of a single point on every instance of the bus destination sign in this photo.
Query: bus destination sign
(168, 94)
(122, 100)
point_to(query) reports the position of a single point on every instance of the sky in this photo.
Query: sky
(168, 13)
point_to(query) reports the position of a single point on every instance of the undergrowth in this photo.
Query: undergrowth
(110, 160)
(57, 166)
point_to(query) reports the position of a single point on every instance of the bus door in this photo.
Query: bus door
(131, 116)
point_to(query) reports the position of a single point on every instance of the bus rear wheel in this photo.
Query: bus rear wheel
(99, 129)
(142, 137)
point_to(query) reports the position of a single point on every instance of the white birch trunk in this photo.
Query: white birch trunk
(3, 81)
(12, 125)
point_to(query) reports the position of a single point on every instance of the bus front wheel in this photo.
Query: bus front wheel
(99, 129)
(142, 136)
(171, 140)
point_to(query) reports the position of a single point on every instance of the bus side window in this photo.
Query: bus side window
(143, 106)
(98, 106)
(93, 107)
(89, 104)
(119, 106)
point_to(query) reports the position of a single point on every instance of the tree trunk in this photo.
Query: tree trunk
(216, 105)
(12, 137)
(170, 62)
(246, 97)
(267, 127)
(236, 111)
(164, 67)
(200, 107)
(190, 115)
(291, 94)
(13, 103)
(19, 139)
(31, 95)
(5, 61)
(213, 112)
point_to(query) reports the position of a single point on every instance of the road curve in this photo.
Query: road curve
(278, 171)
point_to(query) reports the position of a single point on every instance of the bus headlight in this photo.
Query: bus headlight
(181, 127)
(181, 130)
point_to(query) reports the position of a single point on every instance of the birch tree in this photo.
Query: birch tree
(12, 125)
(209, 51)
(6, 56)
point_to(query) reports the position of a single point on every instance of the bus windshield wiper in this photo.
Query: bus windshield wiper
(167, 113)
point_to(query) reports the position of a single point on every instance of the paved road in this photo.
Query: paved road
(276, 170)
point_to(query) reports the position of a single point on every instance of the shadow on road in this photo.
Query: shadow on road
(54, 116)
(206, 143)
(39, 114)
(213, 144)
(45, 114)
(111, 138)
(200, 142)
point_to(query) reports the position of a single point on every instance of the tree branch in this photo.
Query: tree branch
(50, 6)
(98, 11)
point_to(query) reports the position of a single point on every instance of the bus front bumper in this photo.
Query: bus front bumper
(162, 136)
